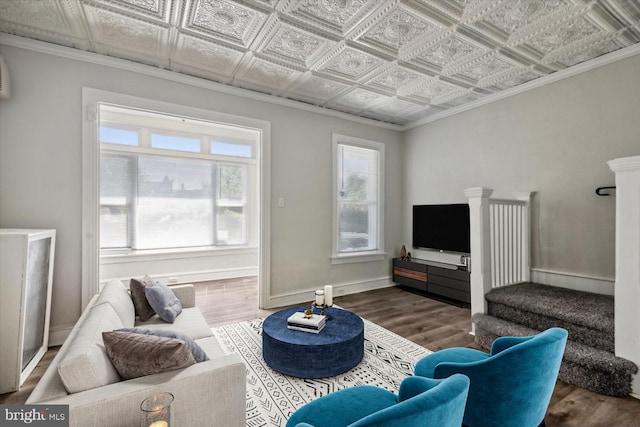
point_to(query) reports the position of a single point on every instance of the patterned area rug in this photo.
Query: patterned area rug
(272, 397)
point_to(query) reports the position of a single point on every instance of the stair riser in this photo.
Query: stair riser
(617, 384)
(582, 334)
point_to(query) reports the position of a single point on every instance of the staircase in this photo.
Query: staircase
(589, 361)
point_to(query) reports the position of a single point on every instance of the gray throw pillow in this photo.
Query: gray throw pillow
(138, 355)
(163, 301)
(140, 303)
(198, 353)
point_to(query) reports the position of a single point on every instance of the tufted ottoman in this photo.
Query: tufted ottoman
(336, 349)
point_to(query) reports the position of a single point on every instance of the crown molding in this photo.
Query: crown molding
(533, 84)
(123, 64)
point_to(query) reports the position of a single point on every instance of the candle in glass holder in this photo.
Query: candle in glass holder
(319, 297)
(156, 410)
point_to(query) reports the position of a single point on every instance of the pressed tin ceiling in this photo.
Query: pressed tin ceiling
(396, 61)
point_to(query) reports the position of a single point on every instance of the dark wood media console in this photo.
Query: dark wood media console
(434, 278)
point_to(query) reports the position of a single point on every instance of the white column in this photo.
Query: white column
(480, 247)
(627, 286)
(525, 196)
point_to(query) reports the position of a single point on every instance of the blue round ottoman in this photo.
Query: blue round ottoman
(336, 349)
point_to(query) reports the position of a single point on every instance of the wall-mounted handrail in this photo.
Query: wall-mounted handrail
(600, 189)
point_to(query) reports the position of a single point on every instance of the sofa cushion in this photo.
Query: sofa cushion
(191, 323)
(163, 301)
(136, 355)
(211, 346)
(198, 353)
(85, 364)
(142, 307)
(116, 294)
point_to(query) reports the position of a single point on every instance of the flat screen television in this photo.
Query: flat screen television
(441, 227)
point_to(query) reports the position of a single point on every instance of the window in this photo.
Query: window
(359, 199)
(169, 183)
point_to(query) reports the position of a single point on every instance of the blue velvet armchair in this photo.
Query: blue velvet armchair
(421, 402)
(511, 386)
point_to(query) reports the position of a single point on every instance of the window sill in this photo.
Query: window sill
(157, 255)
(357, 257)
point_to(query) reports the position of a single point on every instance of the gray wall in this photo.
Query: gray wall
(41, 170)
(554, 140)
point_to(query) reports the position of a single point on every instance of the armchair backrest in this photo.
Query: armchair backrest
(514, 385)
(424, 402)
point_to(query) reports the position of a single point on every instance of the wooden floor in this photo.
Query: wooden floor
(432, 324)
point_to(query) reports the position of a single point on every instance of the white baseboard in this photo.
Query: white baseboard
(339, 289)
(58, 334)
(598, 285)
(197, 276)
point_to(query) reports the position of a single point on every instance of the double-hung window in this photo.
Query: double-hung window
(358, 199)
(170, 183)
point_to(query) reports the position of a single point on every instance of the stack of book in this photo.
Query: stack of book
(297, 321)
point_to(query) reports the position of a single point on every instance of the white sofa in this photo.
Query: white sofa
(211, 393)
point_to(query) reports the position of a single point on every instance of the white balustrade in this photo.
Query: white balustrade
(500, 242)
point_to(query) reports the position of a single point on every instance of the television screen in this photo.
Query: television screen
(441, 227)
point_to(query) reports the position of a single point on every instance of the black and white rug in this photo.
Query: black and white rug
(272, 397)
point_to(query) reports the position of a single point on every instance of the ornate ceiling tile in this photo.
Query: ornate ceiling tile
(397, 80)
(396, 29)
(44, 15)
(565, 34)
(159, 9)
(204, 54)
(512, 17)
(419, 115)
(485, 67)
(336, 16)
(360, 99)
(435, 88)
(395, 107)
(371, 58)
(510, 80)
(628, 12)
(265, 75)
(261, 4)
(225, 20)
(40, 20)
(348, 63)
(448, 53)
(463, 98)
(120, 33)
(474, 8)
(318, 88)
(570, 57)
(294, 46)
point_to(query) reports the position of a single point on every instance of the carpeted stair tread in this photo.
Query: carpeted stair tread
(582, 365)
(587, 309)
(575, 352)
(604, 340)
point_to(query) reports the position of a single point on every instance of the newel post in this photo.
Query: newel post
(480, 247)
(627, 285)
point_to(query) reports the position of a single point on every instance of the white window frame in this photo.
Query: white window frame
(365, 255)
(146, 125)
(91, 98)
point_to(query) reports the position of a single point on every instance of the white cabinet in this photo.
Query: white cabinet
(26, 274)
